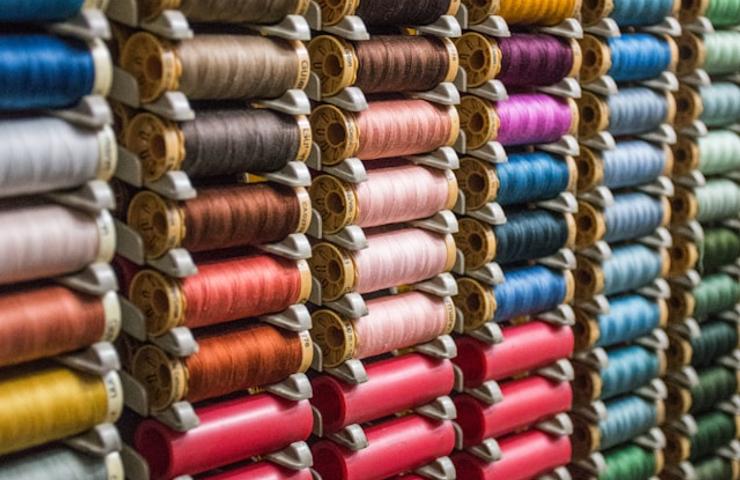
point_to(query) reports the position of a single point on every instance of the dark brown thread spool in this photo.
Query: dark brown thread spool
(216, 67)
(259, 12)
(386, 13)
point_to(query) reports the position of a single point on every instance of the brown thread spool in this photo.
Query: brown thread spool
(677, 447)
(597, 58)
(590, 224)
(479, 121)
(690, 10)
(251, 140)
(585, 331)
(684, 206)
(688, 105)
(586, 437)
(385, 63)
(590, 169)
(477, 242)
(226, 11)
(684, 256)
(478, 180)
(216, 67)
(220, 217)
(594, 10)
(260, 354)
(590, 278)
(480, 56)
(480, 10)
(333, 11)
(681, 305)
(593, 113)
(587, 382)
(678, 401)
(391, 129)
(686, 154)
(691, 53)
(476, 301)
(679, 351)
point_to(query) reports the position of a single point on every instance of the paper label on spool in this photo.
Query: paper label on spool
(304, 64)
(107, 153)
(306, 286)
(451, 315)
(452, 189)
(453, 59)
(306, 351)
(103, 67)
(304, 209)
(114, 466)
(112, 312)
(305, 138)
(577, 58)
(570, 286)
(106, 236)
(114, 390)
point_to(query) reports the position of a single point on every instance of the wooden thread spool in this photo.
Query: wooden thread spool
(150, 9)
(590, 280)
(681, 305)
(684, 256)
(585, 331)
(597, 58)
(684, 205)
(587, 382)
(686, 154)
(480, 56)
(161, 222)
(476, 301)
(689, 106)
(166, 378)
(477, 242)
(590, 169)
(691, 53)
(155, 63)
(335, 268)
(590, 223)
(586, 437)
(692, 9)
(480, 10)
(594, 10)
(678, 402)
(122, 115)
(478, 180)
(679, 351)
(333, 11)
(164, 304)
(677, 447)
(479, 121)
(593, 113)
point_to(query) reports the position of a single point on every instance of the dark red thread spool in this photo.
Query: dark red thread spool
(125, 270)
(42, 322)
(525, 402)
(525, 347)
(229, 432)
(524, 456)
(393, 385)
(262, 471)
(223, 290)
(219, 217)
(395, 446)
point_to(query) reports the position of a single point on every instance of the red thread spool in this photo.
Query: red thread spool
(525, 347)
(125, 270)
(525, 403)
(393, 385)
(262, 471)
(223, 290)
(395, 446)
(228, 432)
(524, 456)
(46, 321)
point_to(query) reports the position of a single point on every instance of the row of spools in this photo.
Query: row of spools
(385, 242)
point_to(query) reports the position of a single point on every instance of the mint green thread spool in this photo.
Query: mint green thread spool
(724, 13)
(721, 101)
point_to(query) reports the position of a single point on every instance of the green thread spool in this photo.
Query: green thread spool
(716, 293)
(724, 13)
(714, 430)
(721, 102)
(714, 468)
(719, 199)
(723, 52)
(720, 247)
(715, 385)
(718, 152)
(629, 462)
(717, 339)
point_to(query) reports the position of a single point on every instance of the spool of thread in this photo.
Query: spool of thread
(523, 118)
(393, 322)
(388, 128)
(521, 60)
(721, 103)
(394, 446)
(45, 71)
(387, 13)
(125, 270)
(720, 247)
(221, 216)
(46, 321)
(228, 432)
(631, 216)
(689, 106)
(525, 177)
(628, 268)
(383, 64)
(715, 52)
(394, 385)
(716, 468)
(20, 11)
(628, 368)
(261, 471)
(31, 394)
(631, 462)
(714, 430)
(523, 456)
(394, 194)
(629, 317)
(223, 290)
(46, 240)
(392, 258)
(627, 58)
(259, 12)
(631, 163)
(717, 339)
(247, 66)
(65, 462)
(523, 12)
(715, 385)
(715, 293)
(626, 418)
(526, 347)
(632, 111)
(723, 13)
(718, 199)
(715, 151)
(684, 255)
(42, 154)
(628, 13)
(218, 142)
(231, 359)
(526, 235)
(122, 194)
(525, 402)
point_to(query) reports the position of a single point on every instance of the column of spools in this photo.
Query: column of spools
(515, 238)
(215, 133)
(59, 389)
(382, 189)
(628, 75)
(703, 402)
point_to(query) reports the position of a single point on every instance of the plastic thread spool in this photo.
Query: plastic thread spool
(691, 53)
(395, 384)
(689, 106)
(478, 181)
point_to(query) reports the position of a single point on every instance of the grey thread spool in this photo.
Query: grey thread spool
(56, 462)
